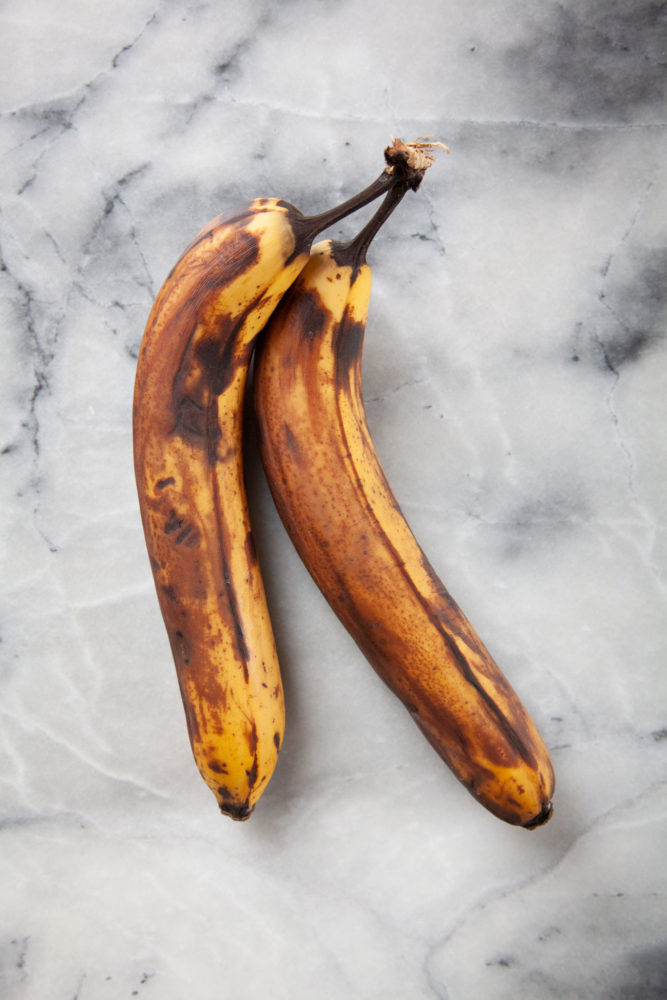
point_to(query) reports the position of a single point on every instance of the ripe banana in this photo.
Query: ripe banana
(345, 522)
(189, 387)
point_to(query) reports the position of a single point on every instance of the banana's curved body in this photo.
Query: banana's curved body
(188, 406)
(344, 520)
(187, 448)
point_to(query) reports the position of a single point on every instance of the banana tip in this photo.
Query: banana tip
(543, 816)
(236, 812)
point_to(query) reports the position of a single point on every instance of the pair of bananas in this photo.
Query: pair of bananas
(256, 271)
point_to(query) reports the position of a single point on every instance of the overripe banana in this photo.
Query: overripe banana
(190, 380)
(345, 522)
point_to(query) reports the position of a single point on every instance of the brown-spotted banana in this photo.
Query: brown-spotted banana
(345, 522)
(188, 405)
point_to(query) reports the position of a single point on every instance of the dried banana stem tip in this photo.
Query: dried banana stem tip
(412, 158)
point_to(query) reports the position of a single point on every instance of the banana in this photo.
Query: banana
(340, 512)
(188, 402)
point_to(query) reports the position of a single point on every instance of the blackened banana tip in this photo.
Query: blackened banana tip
(236, 812)
(542, 817)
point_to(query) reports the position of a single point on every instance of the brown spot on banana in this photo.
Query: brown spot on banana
(348, 343)
(292, 444)
(310, 314)
(251, 551)
(252, 774)
(217, 767)
(251, 736)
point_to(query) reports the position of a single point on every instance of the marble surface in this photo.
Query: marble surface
(515, 375)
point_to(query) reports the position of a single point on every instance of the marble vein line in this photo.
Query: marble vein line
(83, 89)
(398, 122)
(31, 820)
(645, 517)
(64, 118)
(426, 120)
(113, 197)
(63, 122)
(86, 759)
(42, 354)
(129, 46)
(625, 237)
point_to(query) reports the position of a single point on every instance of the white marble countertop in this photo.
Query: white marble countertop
(515, 376)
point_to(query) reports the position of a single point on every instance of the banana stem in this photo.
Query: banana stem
(314, 224)
(353, 253)
(407, 162)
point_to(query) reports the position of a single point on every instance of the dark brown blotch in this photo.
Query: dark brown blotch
(217, 767)
(309, 314)
(242, 648)
(174, 523)
(234, 256)
(287, 361)
(181, 647)
(222, 355)
(348, 343)
(252, 774)
(189, 537)
(292, 444)
(207, 352)
(250, 550)
(213, 437)
(190, 418)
